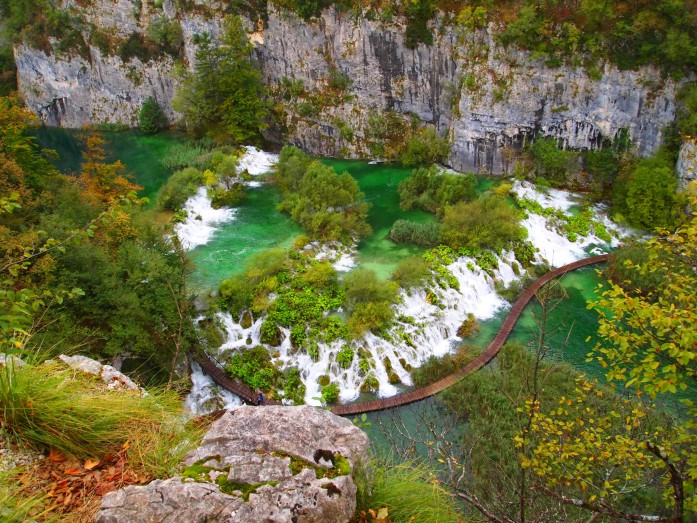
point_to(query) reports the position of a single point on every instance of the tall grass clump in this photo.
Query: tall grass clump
(16, 506)
(189, 154)
(50, 407)
(411, 492)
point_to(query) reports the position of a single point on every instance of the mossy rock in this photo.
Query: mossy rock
(248, 341)
(246, 320)
(394, 379)
(468, 328)
(371, 384)
(323, 380)
(270, 334)
(387, 363)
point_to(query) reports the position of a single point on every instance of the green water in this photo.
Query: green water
(257, 226)
(140, 154)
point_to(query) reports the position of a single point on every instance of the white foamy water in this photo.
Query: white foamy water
(256, 162)
(555, 198)
(205, 396)
(202, 220)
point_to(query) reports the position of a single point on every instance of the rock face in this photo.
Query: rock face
(687, 162)
(488, 100)
(255, 464)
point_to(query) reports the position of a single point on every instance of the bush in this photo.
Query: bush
(135, 46)
(425, 147)
(435, 368)
(330, 393)
(551, 162)
(369, 301)
(326, 204)
(433, 190)
(151, 119)
(167, 35)
(645, 194)
(487, 223)
(178, 188)
(424, 234)
(236, 294)
(221, 197)
(411, 272)
(254, 368)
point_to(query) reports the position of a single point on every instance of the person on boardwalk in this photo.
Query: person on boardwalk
(260, 398)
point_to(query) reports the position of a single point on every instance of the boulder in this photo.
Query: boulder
(256, 464)
(112, 377)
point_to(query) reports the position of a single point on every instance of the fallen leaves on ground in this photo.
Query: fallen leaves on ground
(74, 487)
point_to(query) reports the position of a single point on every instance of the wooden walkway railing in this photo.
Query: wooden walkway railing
(218, 375)
(249, 396)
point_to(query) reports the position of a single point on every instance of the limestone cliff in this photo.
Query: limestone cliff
(486, 99)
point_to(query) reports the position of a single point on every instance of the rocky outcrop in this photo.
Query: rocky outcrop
(687, 162)
(275, 464)
(488, 100)
(113, 378)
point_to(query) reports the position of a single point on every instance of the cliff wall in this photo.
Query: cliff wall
(350, 72)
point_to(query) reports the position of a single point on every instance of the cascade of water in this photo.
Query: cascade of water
(427, 318)
(201, 221)
(205, 396)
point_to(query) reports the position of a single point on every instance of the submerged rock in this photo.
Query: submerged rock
(275, 464)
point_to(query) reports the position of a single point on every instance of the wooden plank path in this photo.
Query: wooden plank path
(249, 396)
(219, 376)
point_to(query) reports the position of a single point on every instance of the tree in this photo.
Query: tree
(645, 194)
(151, 119)
(104, 182)
(328, 205)
(487, 223)
(224, 95)
(648, 343)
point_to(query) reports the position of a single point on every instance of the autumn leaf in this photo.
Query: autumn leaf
(90, 463)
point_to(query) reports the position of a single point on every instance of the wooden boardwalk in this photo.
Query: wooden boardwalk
(249, 396)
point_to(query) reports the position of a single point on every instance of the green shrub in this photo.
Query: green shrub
(221, 197)
(178, 188)
(339, 80)
(411, 272)
(423, 234)
(151, 119)
(433, 190)
(419, 12)
(254, 368)
(294, 388)
(135, 46)
(645, 194)
(552, 163)
(330, 393)
(425, 147)
(167, 35)
(487, 223)
(368, 301)
(435, 368)
(236, 294)
(327, 205)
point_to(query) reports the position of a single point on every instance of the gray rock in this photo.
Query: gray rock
(255, 446)
(112, 377)
(171, 500)
(686, 167)
(11, 359)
